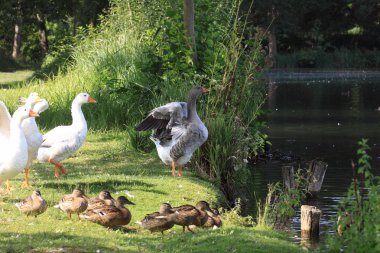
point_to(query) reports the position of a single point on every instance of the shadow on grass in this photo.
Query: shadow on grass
(49, 242)
(96, 187)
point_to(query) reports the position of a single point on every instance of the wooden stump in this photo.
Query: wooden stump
(310, 216)
(288, 177)
(317, 174)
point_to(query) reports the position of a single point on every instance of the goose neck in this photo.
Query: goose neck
(192, 107)
(77, 114)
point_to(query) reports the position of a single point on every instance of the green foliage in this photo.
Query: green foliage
(233, 104)
(359, 220)
(280, 204)
(233, 217)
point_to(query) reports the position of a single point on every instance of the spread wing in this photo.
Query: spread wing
(165, 116)
(5, 120)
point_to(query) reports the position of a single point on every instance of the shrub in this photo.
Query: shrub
(359, 221)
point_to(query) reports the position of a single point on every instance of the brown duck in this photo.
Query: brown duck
(214, 219)
(190, 215)
(33, 205)
(73, 203)
(112, 215)
(104, 199)
(161, 220)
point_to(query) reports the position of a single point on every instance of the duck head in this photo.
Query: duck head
(105, 195)
(122, 200)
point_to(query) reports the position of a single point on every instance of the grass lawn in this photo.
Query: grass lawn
(105, 162)
(10, 79)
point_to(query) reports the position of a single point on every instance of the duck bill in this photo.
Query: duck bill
(91, 100)
(33, 114)
(205, 90)
(130, 202)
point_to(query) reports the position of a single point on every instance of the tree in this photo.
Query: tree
(43, 34)
(17, 35)
(188, 16)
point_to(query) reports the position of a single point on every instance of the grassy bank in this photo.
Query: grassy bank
(11, 79)
(105, 162)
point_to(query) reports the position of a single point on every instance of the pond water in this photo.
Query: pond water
(323, 115)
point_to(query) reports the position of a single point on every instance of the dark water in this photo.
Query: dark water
(323, 118)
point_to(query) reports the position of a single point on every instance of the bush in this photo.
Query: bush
(359, 221)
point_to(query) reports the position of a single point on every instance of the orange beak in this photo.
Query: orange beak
(33, 114)
(91, 100)
(204, 90)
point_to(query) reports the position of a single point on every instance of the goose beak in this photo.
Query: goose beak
(33, 114)
(204, 90)
(91, 100)
(38, 99)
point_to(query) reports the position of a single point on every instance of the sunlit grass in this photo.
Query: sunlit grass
(11, 79)
(105, 162)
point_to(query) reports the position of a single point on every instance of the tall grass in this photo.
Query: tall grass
(232, 109)
(112, 64)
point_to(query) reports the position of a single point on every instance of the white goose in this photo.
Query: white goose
(179, 130)
(62, 141)
(32, 134)
(13, 145)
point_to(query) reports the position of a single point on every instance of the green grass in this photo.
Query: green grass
(11, 79)
(106, 162)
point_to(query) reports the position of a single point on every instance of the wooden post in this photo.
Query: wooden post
(317, 174)
(288, 177)
(310, 216)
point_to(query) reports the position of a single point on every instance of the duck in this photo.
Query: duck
(62, 141)
(161, 220)
(104, 199)
(191, 215)
(13, 145)
(178, 130)
(76, 202)
(213, 220)
(32, 205)
(111, 216)
(32, 134)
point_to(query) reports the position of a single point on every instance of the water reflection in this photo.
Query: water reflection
(323, 119)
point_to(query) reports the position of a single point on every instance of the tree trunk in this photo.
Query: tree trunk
(43, 34)
(16, 52)
(272, 47)
(188, 15)
(272, 41)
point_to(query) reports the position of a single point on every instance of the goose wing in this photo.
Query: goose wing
(58, 134)
(187, 139)
(165, 116)
(5, 120)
